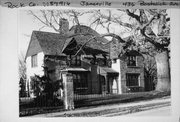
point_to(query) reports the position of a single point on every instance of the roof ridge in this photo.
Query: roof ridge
(36, 31)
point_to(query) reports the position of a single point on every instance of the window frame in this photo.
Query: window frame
(75, 61)
(128, 79)
(80, 81)
(130, 59)
(34, 60)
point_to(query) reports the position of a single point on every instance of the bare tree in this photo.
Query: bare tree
(159, 41)
(50, 18)
(142, 25)
(22, 75)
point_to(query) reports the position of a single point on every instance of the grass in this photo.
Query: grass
(122, 98)
(29, 107)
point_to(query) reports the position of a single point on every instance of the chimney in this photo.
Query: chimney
(63, 25)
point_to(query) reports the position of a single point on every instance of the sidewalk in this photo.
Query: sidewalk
(105, 110)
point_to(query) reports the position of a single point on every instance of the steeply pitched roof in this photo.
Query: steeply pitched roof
(50, 43)
(54, 43)
(96, 43)
(105, 70)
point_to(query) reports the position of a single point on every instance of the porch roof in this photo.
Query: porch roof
(107, 70)
(76, 69)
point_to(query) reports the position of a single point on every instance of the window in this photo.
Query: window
(34, 60)
(75, 61)
(132, 80)
(131, 61)
(80, 82)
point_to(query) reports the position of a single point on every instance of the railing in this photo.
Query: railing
(31, 106)
(83, 96)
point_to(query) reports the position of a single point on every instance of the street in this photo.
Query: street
(164, 111)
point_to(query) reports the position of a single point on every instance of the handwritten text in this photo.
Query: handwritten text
(86, 3)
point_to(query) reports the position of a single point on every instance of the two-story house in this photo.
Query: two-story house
(92, 70)
(53, 53)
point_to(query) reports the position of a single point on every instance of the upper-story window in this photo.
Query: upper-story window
(131, 61)
(34, 61)
(75, 60)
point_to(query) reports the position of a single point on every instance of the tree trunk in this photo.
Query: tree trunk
(163, 72)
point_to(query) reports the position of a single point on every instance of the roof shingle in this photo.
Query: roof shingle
(51, 43)
(54, 43)
(96, 43)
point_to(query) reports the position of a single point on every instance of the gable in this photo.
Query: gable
(33, 47)
(98, 43)
(51, 43)
(46, 42)
(73, 45)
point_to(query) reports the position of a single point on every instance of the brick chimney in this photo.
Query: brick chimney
(63, 25)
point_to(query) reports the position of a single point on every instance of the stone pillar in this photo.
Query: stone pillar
(68, 91)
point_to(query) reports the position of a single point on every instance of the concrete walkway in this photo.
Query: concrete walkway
(123, 108)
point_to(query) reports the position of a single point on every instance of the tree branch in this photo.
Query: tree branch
(133, 15)
(101, 36)
(123, 23)
(38, 18)
(93, 37)
(54, 18)
(48, 22)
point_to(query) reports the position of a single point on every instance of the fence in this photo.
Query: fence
(31, 106)
(83, 96)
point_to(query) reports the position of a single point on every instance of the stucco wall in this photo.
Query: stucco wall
(116, 66)
(34, 70)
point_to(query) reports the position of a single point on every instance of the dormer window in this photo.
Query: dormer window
(34, 61)
(131, 61)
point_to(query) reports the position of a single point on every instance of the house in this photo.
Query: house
(54, 53)
(130, 67)
(93, 69)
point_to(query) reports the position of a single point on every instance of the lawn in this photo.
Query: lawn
(30, 107)
(92, 100)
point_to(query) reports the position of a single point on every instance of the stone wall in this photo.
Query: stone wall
(139, 69)
(94, 79)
